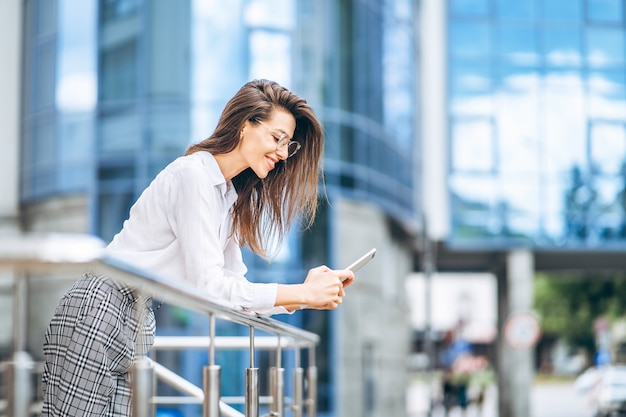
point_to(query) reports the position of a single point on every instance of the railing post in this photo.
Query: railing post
(312, 384)
(142, 380)
(277, 384)
(19, 369)
(19, 386)
(252, 383)
(298, 386)
(212, 377)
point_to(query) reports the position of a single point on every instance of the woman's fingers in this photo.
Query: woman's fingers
(328, 286)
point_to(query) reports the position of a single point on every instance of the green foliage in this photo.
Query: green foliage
(569, 304)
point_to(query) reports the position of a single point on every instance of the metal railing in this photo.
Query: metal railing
(28, 254)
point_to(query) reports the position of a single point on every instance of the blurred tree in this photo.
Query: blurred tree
(570, 303)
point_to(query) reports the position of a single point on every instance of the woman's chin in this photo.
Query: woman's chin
(261, 173)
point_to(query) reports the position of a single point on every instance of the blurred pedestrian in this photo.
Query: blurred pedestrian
(244, 185)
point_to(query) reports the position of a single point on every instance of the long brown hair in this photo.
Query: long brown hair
(265, 209)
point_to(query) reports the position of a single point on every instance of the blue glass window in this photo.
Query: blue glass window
(518, 9)
(471, 88)
(608, 147)
(605, 10)
(605, 47)
(119, 132)
(518, 44)
(469, 7)
(117, 9)
(517, 212)
(475, 197)
(471, 39)
(270, 56)
(118, 72)
(564, 143)
(562, 46)
(564, 10)
(606, 94)
(473, 145)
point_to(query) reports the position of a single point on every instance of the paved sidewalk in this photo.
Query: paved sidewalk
(558, 399)
(418, 395)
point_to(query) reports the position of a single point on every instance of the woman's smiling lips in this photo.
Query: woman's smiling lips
(271, 161)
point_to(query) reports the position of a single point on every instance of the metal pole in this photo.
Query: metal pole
(311, 401)
(19, 369)
(20, 311)
(212, 391)
(252, 383)
(428, 266)
(19, 390)
(277, 384)
(212, 378)
(298, 386)
(277, 381)
(142, 377)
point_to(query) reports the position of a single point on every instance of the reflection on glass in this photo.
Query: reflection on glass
(470, 39)
(607, 98)
(608, 188)
(470, 89)
(475, 202)
(605, 10)
(605, 46)
(608, 147)
(518, 43)
(563, 112)
(562, 46)
(118, 72)
(76, 56)
(471, 77)
(270, 56)
(518, 9)
(472, 145)
(469, 7)
(520, 194)
(565, 10)
(277, 14)
(119, 133)
(116, 9)
(398, 85)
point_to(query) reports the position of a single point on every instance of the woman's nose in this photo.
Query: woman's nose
(282, 152)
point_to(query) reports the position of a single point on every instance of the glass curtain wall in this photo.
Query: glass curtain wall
(143, 106)
(59, 98)
(537, 113)
(370, 105)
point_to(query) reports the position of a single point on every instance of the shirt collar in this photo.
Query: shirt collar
(217, 178)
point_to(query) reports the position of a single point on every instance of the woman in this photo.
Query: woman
(244, 185)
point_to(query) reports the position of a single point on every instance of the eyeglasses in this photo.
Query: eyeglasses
(282, 141)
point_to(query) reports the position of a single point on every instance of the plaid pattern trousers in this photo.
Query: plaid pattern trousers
(98, 329)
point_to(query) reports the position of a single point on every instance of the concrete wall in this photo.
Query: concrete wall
(372, 326)
(10, 82)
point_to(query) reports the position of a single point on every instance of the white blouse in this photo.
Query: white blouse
(180, 229)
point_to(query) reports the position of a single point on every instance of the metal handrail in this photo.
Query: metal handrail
(26, 254)
(87, 252)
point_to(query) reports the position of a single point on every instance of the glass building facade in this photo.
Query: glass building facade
(537, 113)
(116, 89)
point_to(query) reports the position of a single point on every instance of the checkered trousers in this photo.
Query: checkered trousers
(90, 345)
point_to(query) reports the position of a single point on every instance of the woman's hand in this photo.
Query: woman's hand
(324, 287)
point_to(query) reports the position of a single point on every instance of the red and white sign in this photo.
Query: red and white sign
(522, 330)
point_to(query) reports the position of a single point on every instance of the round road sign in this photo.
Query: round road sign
(522, 330)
